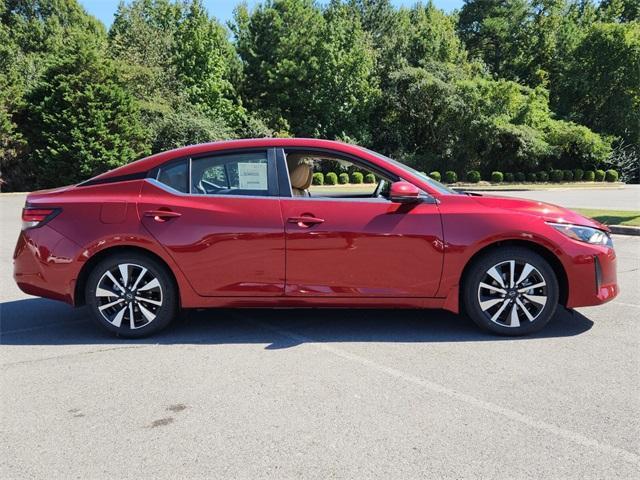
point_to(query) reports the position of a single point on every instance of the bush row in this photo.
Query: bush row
(332, 178)
(556, 176)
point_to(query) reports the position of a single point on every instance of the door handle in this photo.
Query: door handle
(161, 215)
(305, 221)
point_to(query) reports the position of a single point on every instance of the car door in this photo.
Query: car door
(219, 217)
(361, 247)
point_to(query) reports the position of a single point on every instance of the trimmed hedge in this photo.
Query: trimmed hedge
(497, 177)
(611, 176)
(331, 178)
(556, 176)
(450, 176)
(520, 177)
(436, 176)
(318, 178)
(532, 177)
(600, 174)
(578, 174)
(543, 176)
(508, 177)
(567, 175)
(357, 177)
(369, 178)
(343, 178)
(473, 176)
(589, 176)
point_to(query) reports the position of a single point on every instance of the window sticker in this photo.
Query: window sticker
(252, 176)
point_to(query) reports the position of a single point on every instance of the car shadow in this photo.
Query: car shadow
(45, 322)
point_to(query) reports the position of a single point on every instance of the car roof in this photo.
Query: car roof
(148, 163)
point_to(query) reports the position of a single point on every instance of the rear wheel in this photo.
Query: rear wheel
(511, 291)
(131, 295)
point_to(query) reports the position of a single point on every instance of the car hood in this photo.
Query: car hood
(546, 211)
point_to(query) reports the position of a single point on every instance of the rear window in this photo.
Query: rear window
(175, 175)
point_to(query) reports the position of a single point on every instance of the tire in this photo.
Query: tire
(131, 283)
(490, 298)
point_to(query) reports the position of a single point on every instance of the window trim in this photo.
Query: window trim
(272, 174)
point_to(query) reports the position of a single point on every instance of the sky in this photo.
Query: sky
(223, 9)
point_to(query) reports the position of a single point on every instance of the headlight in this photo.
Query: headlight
(584, 234)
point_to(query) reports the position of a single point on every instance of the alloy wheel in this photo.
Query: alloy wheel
(512, 293)
(129, 294)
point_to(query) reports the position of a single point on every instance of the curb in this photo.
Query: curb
(624, 230)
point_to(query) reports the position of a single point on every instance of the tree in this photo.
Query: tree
(80, 121)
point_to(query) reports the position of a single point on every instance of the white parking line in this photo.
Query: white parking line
(574, 437)
(627, 304)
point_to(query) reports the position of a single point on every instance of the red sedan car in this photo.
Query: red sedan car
(242, 224)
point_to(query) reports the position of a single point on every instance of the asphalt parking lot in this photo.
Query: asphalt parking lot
(318, 393)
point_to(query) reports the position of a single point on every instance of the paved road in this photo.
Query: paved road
(626, 198)
(318, 394)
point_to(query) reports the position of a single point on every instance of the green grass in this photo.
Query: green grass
(612, 217)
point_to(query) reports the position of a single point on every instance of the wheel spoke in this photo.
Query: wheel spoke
(492, 288)
(117, 320)
(500, 310)
(496, 276)
(147, 314)
(142, 274)
(539, 299)
(107, 305)
(103, 292)
(531, 287)
(525, 273)
(515, 320)
(512, 273)
(115, 282)
(490, 303)
(152, 284)
(524, 309)
(148, 300)
(124, 273)
(132, 322)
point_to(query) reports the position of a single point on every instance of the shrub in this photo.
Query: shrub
(450, 176)
(331, 178)
(508, 177)
(473, 176)
(318, 178)
(343, 178)
(356, 177)
(567, 175)
(497, 177)
(611, 176)
(543, 176)
(556, 176)
(369, 178)
(578, 174)
(589, 176)
(600, 175)
(532, 177)
(520, 177)
(436, 176)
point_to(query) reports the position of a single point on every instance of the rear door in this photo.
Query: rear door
(219, 218)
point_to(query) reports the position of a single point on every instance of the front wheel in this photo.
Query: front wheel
(511, 291)
(131, 295)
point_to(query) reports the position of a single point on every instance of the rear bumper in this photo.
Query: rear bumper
(43, 264)
(592, 277)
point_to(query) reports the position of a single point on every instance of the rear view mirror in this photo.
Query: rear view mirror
(404, 192)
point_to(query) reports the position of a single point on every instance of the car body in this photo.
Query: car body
(410, 248)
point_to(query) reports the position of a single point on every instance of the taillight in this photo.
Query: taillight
(36, 217)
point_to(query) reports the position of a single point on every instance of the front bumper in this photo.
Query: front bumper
(592, 277)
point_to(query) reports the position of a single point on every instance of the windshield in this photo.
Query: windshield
(436, 185)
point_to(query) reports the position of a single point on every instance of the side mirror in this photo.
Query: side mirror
(404, 192)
